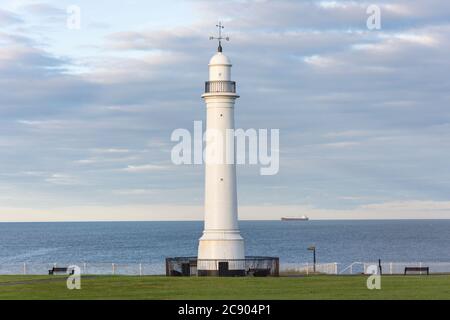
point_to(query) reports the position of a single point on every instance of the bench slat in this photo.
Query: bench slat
(59, 269)
(427, 269)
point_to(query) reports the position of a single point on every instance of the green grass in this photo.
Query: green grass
(160, 287)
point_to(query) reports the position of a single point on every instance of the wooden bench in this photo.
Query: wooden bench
(418, 269)
(60, 269)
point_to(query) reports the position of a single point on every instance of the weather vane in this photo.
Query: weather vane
(220, 38)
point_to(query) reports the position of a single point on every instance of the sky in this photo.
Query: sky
(86, 114)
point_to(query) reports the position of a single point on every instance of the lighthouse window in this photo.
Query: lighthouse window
(221, 115)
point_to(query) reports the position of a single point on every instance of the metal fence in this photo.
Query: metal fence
(332, 268)
(190, 266)
(361, 268)
(309, 268)
(399, 267)
(85, 267)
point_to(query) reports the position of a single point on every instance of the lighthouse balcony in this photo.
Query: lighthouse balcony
(220, 86)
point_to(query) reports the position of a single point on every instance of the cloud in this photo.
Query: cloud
(348, 133)
(189, 212)
(343, 15)
(111, 150)
(8, 18)
(44, 125)
(409, 206)
(43, 9)
(319, 61)
(144, 168)
(342, 144)
(104, 160)
(62, 179)
(136, 192)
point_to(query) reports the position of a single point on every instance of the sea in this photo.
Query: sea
(341, 241)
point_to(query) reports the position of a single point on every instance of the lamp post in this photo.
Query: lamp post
(313, 249)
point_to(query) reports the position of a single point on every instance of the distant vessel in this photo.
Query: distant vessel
(302, 218)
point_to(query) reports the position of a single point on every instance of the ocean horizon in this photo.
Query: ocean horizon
(150, 242)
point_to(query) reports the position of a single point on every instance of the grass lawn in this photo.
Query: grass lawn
(161, 287)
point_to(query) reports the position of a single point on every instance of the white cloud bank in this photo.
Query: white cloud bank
(413, 209)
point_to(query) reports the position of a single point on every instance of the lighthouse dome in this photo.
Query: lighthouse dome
(219, 59)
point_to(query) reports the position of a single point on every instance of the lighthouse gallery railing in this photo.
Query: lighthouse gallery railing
(220, 86)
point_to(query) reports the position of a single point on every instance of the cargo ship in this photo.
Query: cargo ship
(302, 218)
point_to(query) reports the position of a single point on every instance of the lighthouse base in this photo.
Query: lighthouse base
(221, 273)
(221, 253)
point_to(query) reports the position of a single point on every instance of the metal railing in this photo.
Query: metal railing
(98, 268)
(399, 267)
(308, 268)
(394, 268)
(220, 86)
(250, 263)
(353, 267)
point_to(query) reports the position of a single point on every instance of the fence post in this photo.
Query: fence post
(351, 268)
(390, 267)
(140, 269)
(307, 268)
(113, 268)
(24, 268)
(84, 267)
(420, 265)
(335, 268)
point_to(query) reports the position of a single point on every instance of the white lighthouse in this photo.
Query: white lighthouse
(221, 247)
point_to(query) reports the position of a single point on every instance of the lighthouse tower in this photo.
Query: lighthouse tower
(221, 247)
